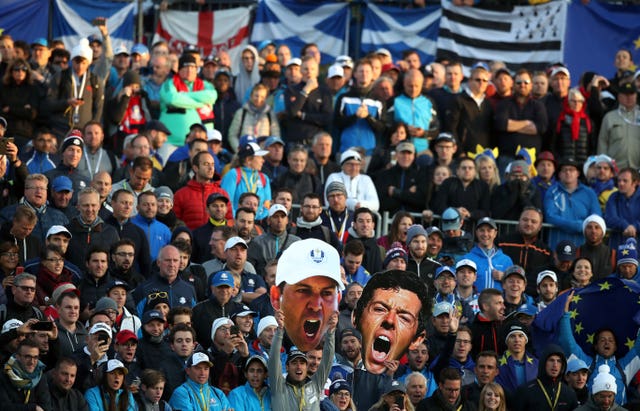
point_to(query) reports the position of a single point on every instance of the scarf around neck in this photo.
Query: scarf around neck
(21, 379)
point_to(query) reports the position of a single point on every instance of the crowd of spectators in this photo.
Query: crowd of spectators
(148, 195)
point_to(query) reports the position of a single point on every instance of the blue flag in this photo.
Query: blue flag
(24, 19)
(72, 21)
(295, 23)
(595, 32)
(398, 29)
(610, 302)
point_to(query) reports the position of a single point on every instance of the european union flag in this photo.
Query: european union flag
(610, 302)
(595, 32)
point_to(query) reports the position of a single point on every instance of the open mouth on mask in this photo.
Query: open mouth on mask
(311, 327)
(381, 347)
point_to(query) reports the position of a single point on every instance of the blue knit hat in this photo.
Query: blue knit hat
(628, 252)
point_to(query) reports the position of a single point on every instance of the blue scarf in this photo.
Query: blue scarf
(600, 186)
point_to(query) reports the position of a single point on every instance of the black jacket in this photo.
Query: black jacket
(23, 102)
(62, 400)
(85, 236)
(142, 259)
(301, 184)
(13, 399)
(530, 396)
(403, 180)
(205, 313)
(511, 197)
(173, 368)
(150, 353)
(475, 197)
(372, 261)
(533, 257)
(438, 403)
(92, 289)
(316, 110)
(487, 335)
(224, 108)
(509, 109)
(470, 124)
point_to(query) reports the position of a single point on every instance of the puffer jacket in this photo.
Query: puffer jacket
(190, 203)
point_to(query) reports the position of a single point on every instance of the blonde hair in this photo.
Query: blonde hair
(496, 388)
(495, 178)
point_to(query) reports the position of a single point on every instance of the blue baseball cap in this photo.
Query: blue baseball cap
(139, 48)
(576, 364)
(61, 183)
(40, 41)
(222, 278)
(273, 140)
(445, 269)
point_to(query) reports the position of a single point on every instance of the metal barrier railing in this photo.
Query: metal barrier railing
(504, 226)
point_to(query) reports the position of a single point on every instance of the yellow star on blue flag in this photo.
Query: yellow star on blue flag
(573, 314)
(590, 338)
(578, 328)
(605, 286)
(576, 299)
(630, 343)
(636, 43)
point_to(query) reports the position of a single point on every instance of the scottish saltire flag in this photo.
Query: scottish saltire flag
(398, 29)
(208, 30)
(610, 303)
(595, 32)
(24, 19)
(72, 21)
(296, 23)
(530, 36)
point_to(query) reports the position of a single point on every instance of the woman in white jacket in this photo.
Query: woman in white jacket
(360, 189)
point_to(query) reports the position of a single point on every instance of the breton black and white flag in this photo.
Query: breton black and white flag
(530, 36)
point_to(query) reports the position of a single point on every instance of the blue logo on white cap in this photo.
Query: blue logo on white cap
(317, 255)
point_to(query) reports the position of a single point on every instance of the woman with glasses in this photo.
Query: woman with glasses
(51, 274)
(19, 101)
(8, 264)
(339, 397)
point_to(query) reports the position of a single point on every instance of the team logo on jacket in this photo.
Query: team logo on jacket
(182, 300)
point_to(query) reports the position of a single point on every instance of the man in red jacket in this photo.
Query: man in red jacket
(189, 203)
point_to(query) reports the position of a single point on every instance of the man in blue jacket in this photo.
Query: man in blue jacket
(255, 393)
(490, 261)
(196, 394)
(568, 203)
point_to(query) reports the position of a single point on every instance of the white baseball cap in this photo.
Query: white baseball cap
(101, 327)
(10, 325)
(233, 241)
(277, 207)
(335, 70)
(309, 258)
(113, 365)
